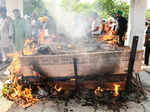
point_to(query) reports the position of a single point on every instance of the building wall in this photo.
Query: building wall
(11, 5)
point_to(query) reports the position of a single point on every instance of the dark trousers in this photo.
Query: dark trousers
(121, 40)
(147, 53)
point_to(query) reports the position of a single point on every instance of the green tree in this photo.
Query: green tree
(69, 4)
(148, 14)
(104, 8)
(110, 7)
(31, 6)
(79, 7)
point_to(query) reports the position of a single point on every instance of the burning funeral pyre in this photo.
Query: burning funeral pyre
(60, 70)
(12, 89)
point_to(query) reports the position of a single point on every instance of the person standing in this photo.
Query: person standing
(50, 24)
(35, 24)
(121, 28)
(20, 31)
(94, 26)
(147, 46)
(6, 34)
(103, 27)
(145, 28)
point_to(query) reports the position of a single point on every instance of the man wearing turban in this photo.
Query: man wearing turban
(121, 28)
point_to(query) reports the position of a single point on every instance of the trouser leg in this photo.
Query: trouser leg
(147, 53)
(4, 55)
(121, 40)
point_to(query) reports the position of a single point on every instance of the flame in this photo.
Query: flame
(45, 38)
(29, 50)
(13, 90)
(27, 42)
(35, 74)
(73, 79)
(18, 90)
(116, 89)
(15, 65)
(57, 88)
(98, 91)
(41, 36)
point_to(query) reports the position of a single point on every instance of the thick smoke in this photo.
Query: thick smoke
(72, 24)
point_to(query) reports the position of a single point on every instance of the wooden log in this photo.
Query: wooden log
(89, 82)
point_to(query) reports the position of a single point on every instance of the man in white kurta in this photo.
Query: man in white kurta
(6, 35)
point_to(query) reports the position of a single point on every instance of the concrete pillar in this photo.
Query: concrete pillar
(136, 22)
(2, 3)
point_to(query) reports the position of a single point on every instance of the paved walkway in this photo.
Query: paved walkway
(5, 105)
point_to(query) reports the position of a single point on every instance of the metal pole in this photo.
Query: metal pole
(131, 62)
(75, 62)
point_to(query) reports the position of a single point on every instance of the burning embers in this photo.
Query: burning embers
(98, 91)
(61, 45)
(115, 92)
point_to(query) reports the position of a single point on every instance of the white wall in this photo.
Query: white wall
(13, 4)
(148, 4)
(136, 21)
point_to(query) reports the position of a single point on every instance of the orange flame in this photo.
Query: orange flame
(14, 91)
(73, 79)
(28, 50)
(15, 66)
(116, 89)
(57, 88)
(41, 36)
(98, 91)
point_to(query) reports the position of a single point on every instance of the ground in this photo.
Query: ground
(59, 106)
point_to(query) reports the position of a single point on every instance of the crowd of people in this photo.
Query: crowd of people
(113, 26)
(14, 32)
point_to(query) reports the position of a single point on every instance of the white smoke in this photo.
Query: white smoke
(68, 22)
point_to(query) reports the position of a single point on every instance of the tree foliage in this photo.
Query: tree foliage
(31, 6)
(148, 14)
(104, 8)
(77, 6)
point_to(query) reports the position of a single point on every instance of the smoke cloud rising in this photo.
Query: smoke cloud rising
(69, 22)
